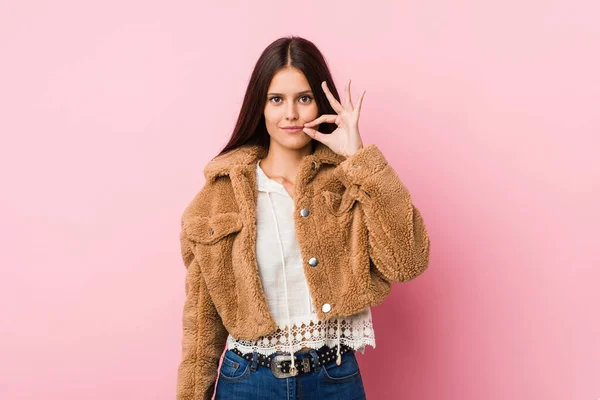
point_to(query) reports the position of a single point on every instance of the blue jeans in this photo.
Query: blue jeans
(244, 379)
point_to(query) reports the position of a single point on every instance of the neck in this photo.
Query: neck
(282, 163)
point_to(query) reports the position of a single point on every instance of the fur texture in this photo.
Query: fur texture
(362, 228)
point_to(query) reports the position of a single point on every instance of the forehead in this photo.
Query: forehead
(289, 80)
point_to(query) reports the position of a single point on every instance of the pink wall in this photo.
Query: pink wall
(489, 112)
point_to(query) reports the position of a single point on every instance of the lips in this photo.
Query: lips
(293, 129)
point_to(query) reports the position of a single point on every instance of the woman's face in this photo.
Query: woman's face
(290, 102)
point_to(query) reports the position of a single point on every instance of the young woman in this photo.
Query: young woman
(297, 232)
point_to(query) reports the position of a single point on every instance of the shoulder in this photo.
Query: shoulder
(214, 197)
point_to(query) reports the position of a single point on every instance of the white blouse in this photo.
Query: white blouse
(281, 272)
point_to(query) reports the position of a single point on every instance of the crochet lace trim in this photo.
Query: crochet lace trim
(355, 333)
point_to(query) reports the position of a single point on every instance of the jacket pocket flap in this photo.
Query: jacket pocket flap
(211, 229)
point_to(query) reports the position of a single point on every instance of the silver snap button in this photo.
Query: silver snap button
(354, 165)
(326, 307)
(304, 212)
(313, 262)
(314, 165)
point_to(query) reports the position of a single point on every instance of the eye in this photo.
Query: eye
(307, 97)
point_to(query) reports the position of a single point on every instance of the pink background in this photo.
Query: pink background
(489, 111)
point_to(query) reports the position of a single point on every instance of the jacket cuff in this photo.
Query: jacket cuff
(361, 165)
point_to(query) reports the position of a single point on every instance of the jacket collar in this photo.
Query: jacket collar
(249, 155)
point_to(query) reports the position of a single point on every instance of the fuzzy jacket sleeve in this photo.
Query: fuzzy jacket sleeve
(204, 335)
(397, 236)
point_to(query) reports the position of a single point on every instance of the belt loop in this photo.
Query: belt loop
(315, 357)
(254, 361)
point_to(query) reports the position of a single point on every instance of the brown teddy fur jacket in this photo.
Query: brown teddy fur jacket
(357, 229)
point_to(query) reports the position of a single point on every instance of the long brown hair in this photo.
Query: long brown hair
(285, 52)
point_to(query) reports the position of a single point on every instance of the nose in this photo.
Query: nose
(290, 112)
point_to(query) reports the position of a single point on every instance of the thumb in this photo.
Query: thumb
(315, 134)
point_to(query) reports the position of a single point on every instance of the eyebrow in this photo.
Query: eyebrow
(280, 94)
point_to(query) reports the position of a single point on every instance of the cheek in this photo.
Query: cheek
(271, 116)
(310, 113)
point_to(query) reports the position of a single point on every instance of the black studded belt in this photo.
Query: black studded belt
(280, 364)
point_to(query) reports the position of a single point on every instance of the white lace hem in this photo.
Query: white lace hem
(355, 331)
(248, 347)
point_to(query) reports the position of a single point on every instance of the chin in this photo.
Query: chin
(294, 143)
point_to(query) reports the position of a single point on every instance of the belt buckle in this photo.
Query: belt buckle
(306, 364)
(275, 361)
